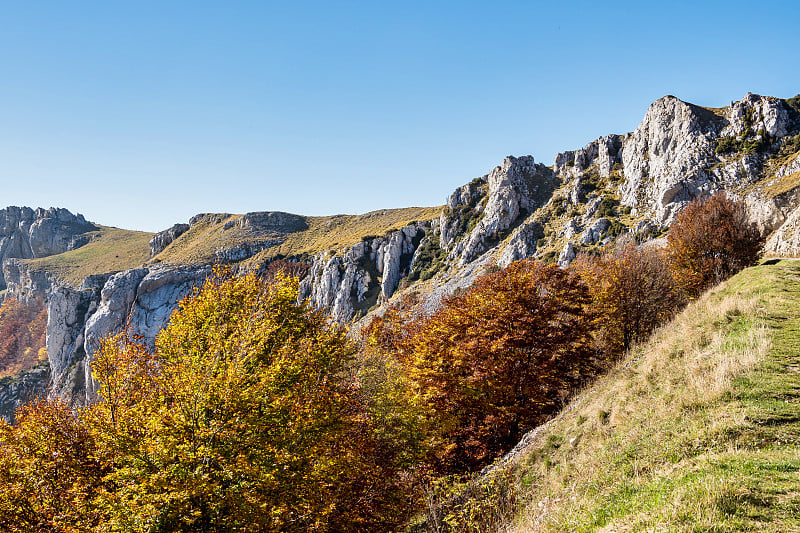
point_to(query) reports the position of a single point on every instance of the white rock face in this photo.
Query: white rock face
(26, 233)
(517, 187)
(789, 168)
(570, 230)
(23, 283)
(164, 238)
(78, 320)
(595, 232)
(116, 302)
(671, 158)
(340, 283)
(468, 195)
(567, 255)
(754, 113)
(605, 153)
(667, 160)
(66, 317)
(522, 244)
(786, 239)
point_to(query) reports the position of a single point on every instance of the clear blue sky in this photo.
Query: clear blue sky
(141, 114)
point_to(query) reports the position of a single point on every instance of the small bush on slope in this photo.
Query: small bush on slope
(22, 335)
(709, 241)
(632, 294)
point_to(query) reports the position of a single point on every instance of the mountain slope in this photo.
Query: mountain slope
(631, 184)
(697, 430)
(107, 250)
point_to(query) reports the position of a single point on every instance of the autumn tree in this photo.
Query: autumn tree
(498, 358)
(249, 415)
(50, 472)
(709, 241)
(23, 329)
(632, 293)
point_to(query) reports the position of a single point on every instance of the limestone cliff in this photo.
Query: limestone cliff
(28, 233)
(368, 273)
(140, 300)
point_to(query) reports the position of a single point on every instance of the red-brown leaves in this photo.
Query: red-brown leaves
(632, 293)
(709, 241)
(495, 360)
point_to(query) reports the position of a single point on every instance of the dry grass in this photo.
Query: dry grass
(202, 241)
(777, 186)
(633, 414)
(111, 250)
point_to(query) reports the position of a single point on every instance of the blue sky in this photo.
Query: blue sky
(142, 115)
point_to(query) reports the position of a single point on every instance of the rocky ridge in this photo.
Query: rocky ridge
(630, 184)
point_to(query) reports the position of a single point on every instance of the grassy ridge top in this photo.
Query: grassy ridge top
(204, 239)
(110, 250)
(697, 430)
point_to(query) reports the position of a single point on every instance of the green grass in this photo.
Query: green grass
(111, 250)
(696, 430)
(199, 244)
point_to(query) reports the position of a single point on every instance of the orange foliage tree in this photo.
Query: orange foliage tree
(23, 329)
(632, 293)
(49, 471)
(498, 358)
(709, 241)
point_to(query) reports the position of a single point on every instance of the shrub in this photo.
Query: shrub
(23, 328)
(632, 293)
(709, 241)
(607, 207)
(49, 471)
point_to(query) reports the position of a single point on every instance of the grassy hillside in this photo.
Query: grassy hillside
(696, 431)
(199, 244)
(110, 250)
(114, 249)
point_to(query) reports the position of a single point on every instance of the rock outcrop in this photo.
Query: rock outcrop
(681, 151)
(26, 233)
(26, 284)
(514, 190)
(274, 221)
(604, 154)
(362, 275)
(141, 300)
(785, 241)
(164, 238)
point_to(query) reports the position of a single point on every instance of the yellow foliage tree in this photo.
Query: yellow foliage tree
(49, 472)
(247, 416)
(251, 413)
